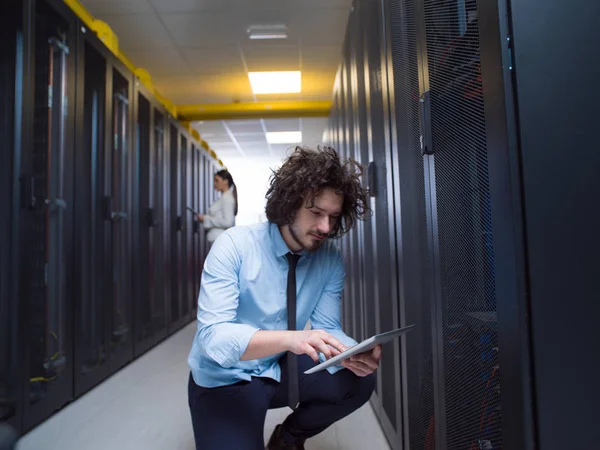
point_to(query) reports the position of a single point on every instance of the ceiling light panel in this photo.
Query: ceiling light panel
(276, 82)
(284, 137)
(262, 32)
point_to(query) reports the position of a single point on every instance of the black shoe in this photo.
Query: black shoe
(277, 442)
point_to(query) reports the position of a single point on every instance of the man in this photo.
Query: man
(243, 360)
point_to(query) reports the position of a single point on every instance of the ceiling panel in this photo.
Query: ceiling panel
(203, 29)
(160, 63)
(325, 27)
(140, 32)
(233, 87)
(197, 51)
(245, 126)
(290, 4)
(263, 56)
(321, 58)
(214, 60)
(180, 6)
(117, 7)
(273, 125)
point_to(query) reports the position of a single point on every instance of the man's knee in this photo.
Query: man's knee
(364, 388)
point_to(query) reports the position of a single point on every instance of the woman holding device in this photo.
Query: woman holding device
(221, 214)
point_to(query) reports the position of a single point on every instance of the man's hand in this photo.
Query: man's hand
(200, 217)
(313, 342)
(365, 363)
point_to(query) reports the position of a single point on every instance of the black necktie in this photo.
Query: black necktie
(292, 360)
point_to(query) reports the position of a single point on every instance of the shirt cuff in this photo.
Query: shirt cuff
(344, 339)
(239, 336)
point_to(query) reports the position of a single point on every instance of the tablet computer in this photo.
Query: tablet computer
(364, 346)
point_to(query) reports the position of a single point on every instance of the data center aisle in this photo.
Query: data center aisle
(145, 407)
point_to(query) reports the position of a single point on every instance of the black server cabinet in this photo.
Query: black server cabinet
(92, 325)
(185, 277)
(162, 139)
(150, 306)
(46, 211)
(11, 79)
(543, 141)
(176, 226)
(372, 115)
(346, 308)
(203, 203)
(452, 394)
(118, 213)
(468, 409)
(103, 266)
(197, 245)
(415, 285)
(353, 152)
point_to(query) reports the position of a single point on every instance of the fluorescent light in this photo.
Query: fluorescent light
(267, 32)
(257, 36)
(284, 137)
(276, 82)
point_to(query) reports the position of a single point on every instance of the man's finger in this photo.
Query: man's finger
(356, 369)
(322, 347)
(377, 352)
(335, 343)
(310, 351)
(362, 365)
(367, 359)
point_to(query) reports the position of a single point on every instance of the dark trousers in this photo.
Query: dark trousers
(232, 417)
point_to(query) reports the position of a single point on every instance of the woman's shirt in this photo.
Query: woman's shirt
(221, 216)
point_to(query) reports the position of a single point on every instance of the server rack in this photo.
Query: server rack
(46, 215)
(176, 317)
(187, 225)
(483, 134)
(73, 199)
(118, 212)
(198, 241)
(11, 76)
(92, 324)
(150, 308)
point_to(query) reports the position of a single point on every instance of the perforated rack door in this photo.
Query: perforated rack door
(416, 289)
(468, 372)
(119, 216)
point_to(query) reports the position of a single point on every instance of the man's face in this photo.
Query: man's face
(312, 225)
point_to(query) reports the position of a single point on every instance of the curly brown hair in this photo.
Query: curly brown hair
(306, 173)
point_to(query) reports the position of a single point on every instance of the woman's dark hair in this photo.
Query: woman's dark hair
(227, 176)
(306, 173)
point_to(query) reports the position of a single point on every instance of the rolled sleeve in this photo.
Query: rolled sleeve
(326, 315)
(220, 337)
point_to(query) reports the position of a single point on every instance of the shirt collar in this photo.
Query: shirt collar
(281, 248)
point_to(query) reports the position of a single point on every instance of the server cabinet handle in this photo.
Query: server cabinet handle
(107, 211)
(28, 200)
(425, 111)
(196, 226)
(179, 223)
(150, 218)
(372, 178)
(56, 203)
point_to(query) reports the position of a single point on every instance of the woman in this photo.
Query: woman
(221, 214)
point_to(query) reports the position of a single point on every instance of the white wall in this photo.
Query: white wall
(251, 176)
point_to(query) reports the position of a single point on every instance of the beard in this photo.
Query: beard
(306, 241)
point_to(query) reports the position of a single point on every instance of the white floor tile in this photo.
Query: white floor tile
(144, 406)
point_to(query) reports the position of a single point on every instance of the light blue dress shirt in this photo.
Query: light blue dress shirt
(243, 290)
